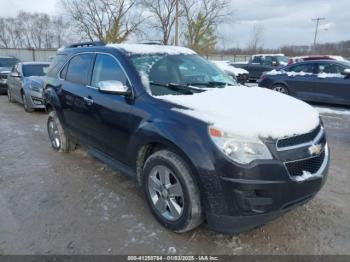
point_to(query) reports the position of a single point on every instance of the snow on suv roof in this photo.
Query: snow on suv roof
(152, 49)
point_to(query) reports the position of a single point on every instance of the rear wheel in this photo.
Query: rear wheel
(60, 141)
(172, 192)
(25, 104)
(281, 89)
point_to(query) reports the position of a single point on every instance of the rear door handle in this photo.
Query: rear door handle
(88, 101)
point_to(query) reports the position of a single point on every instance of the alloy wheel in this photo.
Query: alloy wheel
(54, 134)
(280, 89)
(166, 193)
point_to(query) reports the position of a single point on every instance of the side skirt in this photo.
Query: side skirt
(113, 163)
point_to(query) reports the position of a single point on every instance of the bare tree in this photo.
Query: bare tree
(33, 30)
(163, 17)
(201, 20)
(105, 20)
(256, 40)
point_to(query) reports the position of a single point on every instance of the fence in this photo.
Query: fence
(29, 54)
(233, 58)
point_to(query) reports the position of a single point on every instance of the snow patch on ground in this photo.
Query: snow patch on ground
(153, 49)
(251, 112)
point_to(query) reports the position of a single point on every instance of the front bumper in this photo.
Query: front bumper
(35, 99)
(255, 195)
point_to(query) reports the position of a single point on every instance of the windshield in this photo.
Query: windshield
(34, 70)
(164, 74)
(283, 60)
(8, 62)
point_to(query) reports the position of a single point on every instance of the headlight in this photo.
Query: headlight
(35, 87)
(239, 149)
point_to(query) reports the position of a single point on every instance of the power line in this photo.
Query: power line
(317, 19)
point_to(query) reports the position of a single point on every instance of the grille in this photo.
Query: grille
(297, 140)
(311, 165)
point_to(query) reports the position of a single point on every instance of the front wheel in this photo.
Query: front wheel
(60, 141)
(171, 192)
(281, 89)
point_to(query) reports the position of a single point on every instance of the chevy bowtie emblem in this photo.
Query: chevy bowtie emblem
(315, 149)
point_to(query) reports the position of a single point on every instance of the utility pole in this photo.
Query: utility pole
(318, 19)
(177, 23)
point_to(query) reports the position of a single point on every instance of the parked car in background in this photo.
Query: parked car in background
(200, 146)
(258, 64)
(25, 84)
(298, 59)
(6, 63)
(239, 74)
(324, 81)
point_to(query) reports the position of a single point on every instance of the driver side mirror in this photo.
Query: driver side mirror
(113, 87)
(15, 74)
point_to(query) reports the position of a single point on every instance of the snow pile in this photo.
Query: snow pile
(153, 49)
(251, 112)
(305, 176)
(228, 68)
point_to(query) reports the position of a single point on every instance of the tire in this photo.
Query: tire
(280, 88)
(25, 104)
(175, 202)
(60, 141)
(9, 95)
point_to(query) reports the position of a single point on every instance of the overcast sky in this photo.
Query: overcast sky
(283, 21)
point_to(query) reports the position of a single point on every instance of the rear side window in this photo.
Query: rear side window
(79, 68)
(330, 68)
(306, 68)
(107, 69)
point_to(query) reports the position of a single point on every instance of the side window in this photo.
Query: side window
(78, 69)
(306, 68)
(331, 68)
(64, 71)
(107, 68)
(257, 60)
(268, 60)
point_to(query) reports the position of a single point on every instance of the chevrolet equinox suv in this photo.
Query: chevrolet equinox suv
(200, 146)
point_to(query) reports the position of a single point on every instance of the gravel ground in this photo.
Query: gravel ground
(53, 203)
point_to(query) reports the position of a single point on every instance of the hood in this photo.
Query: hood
(249, 112)
(5, 70)
(228, 68)
(36, 79)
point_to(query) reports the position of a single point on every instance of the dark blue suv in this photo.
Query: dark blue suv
(200, 146)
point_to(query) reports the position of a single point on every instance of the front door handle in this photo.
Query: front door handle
(88, 101)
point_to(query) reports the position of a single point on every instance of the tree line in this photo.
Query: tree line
(117, 21)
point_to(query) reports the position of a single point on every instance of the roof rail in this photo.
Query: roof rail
(151, 42)
(86, 44)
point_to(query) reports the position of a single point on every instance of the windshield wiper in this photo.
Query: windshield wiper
(210, 83)
(187, 89)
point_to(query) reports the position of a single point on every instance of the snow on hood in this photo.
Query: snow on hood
(250, 112)
(227, 67)
(153, 49)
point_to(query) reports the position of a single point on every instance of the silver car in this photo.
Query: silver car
(25, 84)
